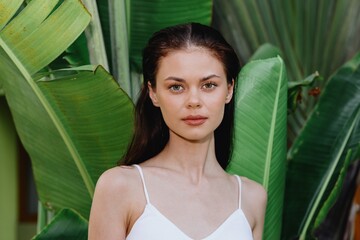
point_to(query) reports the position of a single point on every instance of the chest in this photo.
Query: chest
(194, 210)
(152, 225)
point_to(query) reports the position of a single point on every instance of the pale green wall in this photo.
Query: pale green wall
(26, 231)
(8, 175)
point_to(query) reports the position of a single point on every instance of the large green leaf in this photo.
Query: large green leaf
(334, 226)
(68, 121)
(315, 157)
(75, 137)
(77, 54)
(23, 38)
(333, 170)
(265, 51)
(1, 88)
(309, 34)
(95, 38)
(115, 21)
(259, 150)
(67, 224)
(335, 192)
(7, 10)
(298, 28)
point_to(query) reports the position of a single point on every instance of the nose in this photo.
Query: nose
(194, 99)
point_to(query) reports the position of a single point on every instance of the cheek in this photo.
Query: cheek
(220, 113)
(217, 107)
(168, 107)
(216, 102)
(168, 103)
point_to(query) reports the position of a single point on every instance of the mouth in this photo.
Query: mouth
(194, 120)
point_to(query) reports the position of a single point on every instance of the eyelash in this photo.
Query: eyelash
(206, 86)
(171, 88)
(209, 85)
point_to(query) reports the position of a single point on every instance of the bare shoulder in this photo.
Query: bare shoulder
(117, 176)
(254, 190)
(117, 179)
(113, 200)
(255, 199)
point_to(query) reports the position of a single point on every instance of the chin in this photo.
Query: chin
(197, 138)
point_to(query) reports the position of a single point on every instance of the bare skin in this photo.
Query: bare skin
(185, 181)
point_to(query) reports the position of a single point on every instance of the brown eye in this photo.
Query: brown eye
(209, 85)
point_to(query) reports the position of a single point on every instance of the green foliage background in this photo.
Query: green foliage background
(82, 116)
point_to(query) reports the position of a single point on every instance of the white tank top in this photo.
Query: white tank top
(153, 225)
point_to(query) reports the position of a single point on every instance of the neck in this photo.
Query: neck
(192, 158)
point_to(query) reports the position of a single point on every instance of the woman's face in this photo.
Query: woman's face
(191, 91)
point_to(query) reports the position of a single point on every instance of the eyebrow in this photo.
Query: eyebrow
(183, 80)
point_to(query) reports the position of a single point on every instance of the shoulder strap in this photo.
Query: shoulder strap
(240, 188)
(143, 182)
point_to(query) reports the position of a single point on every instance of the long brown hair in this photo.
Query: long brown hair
(151, 133)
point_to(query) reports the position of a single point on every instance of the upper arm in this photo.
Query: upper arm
(110, 209)
(259, 209)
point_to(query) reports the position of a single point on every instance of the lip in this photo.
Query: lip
(194, 120)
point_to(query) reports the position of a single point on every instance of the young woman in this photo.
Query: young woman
(173, 184)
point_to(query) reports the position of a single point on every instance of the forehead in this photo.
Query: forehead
(189, 49)
(192, 58)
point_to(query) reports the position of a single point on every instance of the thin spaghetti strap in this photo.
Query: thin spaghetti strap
(143, 182)
(240, 188)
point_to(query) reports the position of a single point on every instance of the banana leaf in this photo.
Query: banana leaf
(335, 192)
(341, 213)
(68, 121)
(1, 89)
(114, 21)
(294, 88)
(77, 54)
(95, 38)
(104, 7)
(298, 28)
(266, 50)
(308, 33)
(22, 34)
(67, 224)
(8, 11)
(315, 158)
(259, 150)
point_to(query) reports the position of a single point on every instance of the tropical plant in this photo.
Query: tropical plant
(312, 36)
(308, 34)
(70, 111)
(72, 139)
(325, 141)
(260, 136)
